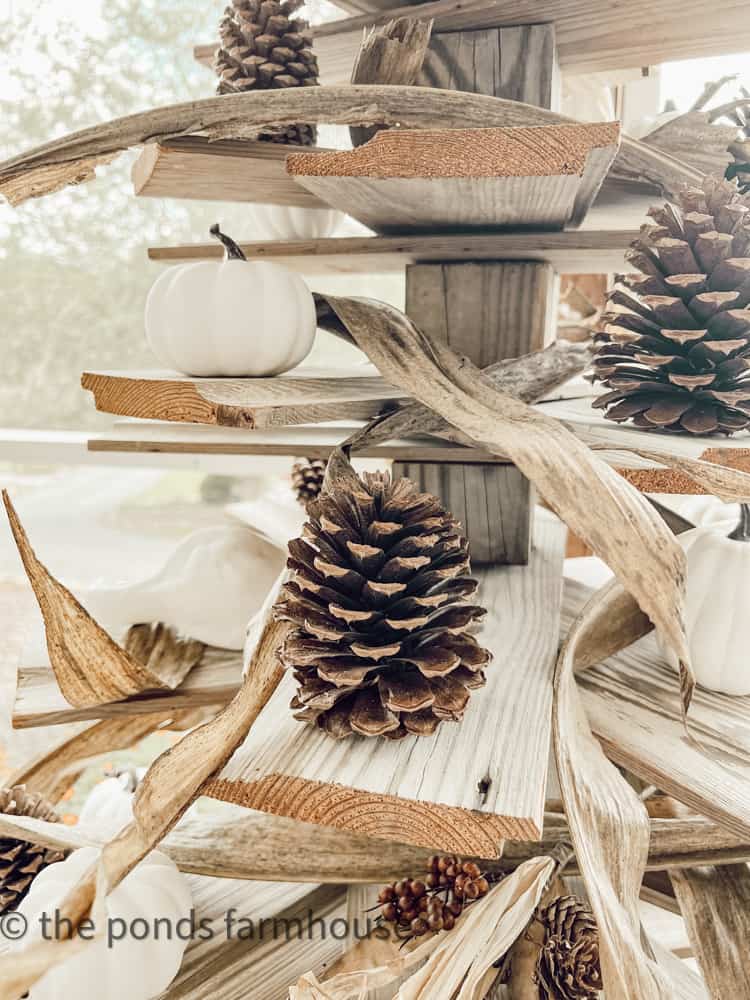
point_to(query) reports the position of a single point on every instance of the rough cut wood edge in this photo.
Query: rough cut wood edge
(586, 251)
(540, 151)
(89, 666)
(72, 159)
(243, 171)
(251, 403)
(429, 790)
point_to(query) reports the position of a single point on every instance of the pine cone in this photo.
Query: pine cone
(263, 47)
(675, 343)
(381, 645)
(307, 479)
(568, 966)
(20, 860)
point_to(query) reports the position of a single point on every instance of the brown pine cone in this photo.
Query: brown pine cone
(568, 966)
(381, 645)
(674, 345)
(20, 860)
(307, 479)
(264, 47)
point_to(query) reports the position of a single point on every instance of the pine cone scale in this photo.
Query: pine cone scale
(20, 860)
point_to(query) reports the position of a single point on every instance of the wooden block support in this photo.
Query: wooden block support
(489, 310)
(486, 311)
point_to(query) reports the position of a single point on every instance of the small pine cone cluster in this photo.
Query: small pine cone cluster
(20, 860)
(263, 47)
(307, 479)
(568, 967)
(382, 643)
(417, 907)
(674, 345)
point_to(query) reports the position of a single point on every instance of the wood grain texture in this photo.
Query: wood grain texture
(213, 681)
(591, 36)
(300, 397)
(492, 502)
(518, 63)
(72, 159)
(418, 180)
(487, 312)
(472, 795)
(243, 171)
(574, 251)
(715, 904)
(633, 705)
(295, 935)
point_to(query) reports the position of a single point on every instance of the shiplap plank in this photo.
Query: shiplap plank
(427, 180)
(633, 705)
(303, 396)
(457, 790)
(592, 35)
(584, 251)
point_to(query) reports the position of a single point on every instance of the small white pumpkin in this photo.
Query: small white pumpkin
(109, 806)
(717, 611)
(230, 318)
(130, 969)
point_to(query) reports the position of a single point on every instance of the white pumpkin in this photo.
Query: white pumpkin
(717, 609)
(291, 222)
(130, 969)
(211, 584)
(230, 318)
(109, 806)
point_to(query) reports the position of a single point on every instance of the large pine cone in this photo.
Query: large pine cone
(264, 47)
(381, 645)
(568, 966)
(21, 861)
(675, 342)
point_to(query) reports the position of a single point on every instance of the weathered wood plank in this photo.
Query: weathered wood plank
(584, 251)
(458, 790)
(635, 695)
(300, 397)
(295, 936)
(715, 904)
(517, 62)
(416, 180)
(213, 681)
(241, 170)
(592, 36)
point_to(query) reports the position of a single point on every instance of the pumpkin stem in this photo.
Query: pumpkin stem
(742, 532)
(231, 250)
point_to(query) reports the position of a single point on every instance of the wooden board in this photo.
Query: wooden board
(420, 180)
(303, 396)
(592, 35)
(633, 705)
(583, 251)
(595, 429)
(218, 962)
(226, 170)
(459, 790)
(39, 701)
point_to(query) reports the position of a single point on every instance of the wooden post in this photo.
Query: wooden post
(488, 310)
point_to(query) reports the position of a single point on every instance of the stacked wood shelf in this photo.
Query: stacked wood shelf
(592, 35)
